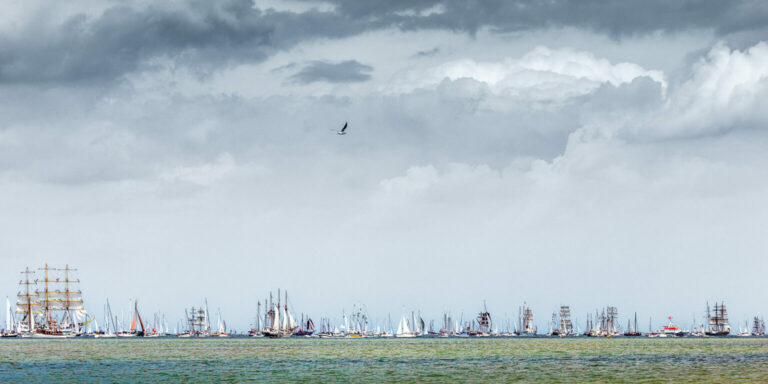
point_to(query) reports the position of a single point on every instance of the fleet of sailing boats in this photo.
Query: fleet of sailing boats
(50, 305)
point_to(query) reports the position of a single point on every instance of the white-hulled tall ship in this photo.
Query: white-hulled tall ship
(561, 324)
(525, 321)
(50, 307)
(605, 324)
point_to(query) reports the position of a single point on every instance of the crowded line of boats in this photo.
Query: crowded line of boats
(51, 306)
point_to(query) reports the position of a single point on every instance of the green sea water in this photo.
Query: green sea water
(384, 360)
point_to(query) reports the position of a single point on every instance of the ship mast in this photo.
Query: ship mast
(28, 296)
(46, 302)
(67, 293)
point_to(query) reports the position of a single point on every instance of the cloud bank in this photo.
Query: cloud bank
(498, 162)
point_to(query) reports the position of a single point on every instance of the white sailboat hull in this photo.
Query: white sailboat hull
(44, 336)
(105, 336)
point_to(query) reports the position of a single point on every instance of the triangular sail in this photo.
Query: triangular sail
(133, 321)
(403, 328)
(291, 321)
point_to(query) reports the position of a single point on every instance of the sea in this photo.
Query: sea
(429, 360)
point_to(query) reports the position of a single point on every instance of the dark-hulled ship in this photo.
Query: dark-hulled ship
(717, 321)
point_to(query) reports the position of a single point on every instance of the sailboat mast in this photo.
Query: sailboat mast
(66, 290)
(286, 311)
(207, 317)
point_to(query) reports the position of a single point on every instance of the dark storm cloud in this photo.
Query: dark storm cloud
(205, 35)
(618, 18)
(427, 53)
(349, 71)
(201, 35)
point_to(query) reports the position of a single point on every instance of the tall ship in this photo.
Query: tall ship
(525, 321)
(198, 322)
(483, 323)
(561, 323)
(278, 321)
(306, 326)
(717, 321)
(50, 307)
(356, 325)
(604, 324)
(758, 326)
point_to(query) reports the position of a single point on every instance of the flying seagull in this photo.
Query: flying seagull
(343, 129)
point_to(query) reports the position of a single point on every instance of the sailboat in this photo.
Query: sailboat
(306, 327)
(745, 332)
(632, 331)
(137, 324)
(387, 332)
(278, 320)
(109, 324)
(10, 327)
(221, 326)
(256, 330)
(403, 330)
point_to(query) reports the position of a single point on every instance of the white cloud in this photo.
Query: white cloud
(543, 74)
(727, 90)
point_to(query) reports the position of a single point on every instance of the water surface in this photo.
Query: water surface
(384, 360)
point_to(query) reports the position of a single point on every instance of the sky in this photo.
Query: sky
(582, 153)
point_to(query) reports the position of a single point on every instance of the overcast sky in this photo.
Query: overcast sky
(588, 153)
